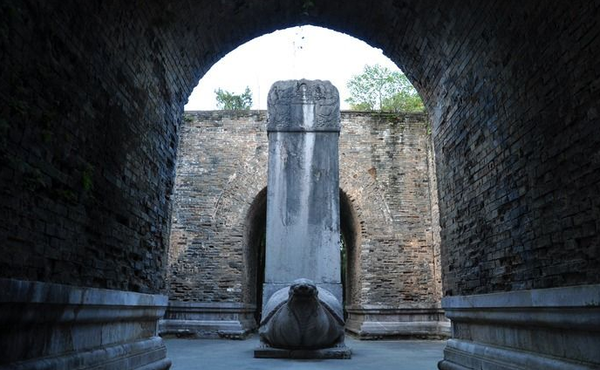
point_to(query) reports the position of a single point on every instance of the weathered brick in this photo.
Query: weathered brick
(386, 179)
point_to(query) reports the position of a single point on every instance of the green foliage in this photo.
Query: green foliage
(404, 102)
(229, 101)
(379, 88)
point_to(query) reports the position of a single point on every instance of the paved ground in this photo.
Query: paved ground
(229, 355)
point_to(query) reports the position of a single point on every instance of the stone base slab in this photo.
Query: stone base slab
(340, 353)
(208, 320)
(378, 322)
(551, 329)
(465, 355)
(55, 327)
(148, 354)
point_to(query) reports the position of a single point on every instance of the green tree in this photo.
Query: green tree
(379, 88)
(229, 101)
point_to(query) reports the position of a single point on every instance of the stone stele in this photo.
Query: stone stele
(303, 267)
(303, 221)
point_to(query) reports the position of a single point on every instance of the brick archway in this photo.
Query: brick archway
(92, 95)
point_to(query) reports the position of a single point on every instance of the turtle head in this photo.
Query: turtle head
(303, 288)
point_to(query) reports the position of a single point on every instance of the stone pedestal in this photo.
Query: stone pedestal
(54, 327)
(208, 320)
(408, 321)
(534, 329)
(303, 224)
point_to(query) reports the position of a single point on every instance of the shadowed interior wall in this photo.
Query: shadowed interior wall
(90, 104)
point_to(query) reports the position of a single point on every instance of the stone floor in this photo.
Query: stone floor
(229, 354)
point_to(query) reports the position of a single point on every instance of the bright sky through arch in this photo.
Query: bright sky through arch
(294, 53)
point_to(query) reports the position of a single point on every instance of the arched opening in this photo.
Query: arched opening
(254, 224)
(350, 236)
(254, 250)
(254, 242)
(303, 52)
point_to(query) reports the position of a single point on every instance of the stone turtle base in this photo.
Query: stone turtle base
(340, 353)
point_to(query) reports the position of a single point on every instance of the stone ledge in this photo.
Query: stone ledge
(149, 354)
(381, 330)
(212, 306)
(45, 325)
(545, 328)
(26, 302)
(227, 329)
(574, 296)
(566, 318)
(466, 355)
(20, 291)
(565, 308)
(229, 320)
(378, 322)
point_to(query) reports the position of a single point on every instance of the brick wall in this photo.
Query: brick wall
(517, 147)
(221, 169)
(88, 139)
(385, 174)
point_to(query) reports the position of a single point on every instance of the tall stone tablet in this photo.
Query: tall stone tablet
(303, 221)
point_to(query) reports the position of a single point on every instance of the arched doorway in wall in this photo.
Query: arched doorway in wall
(254, 250)
(350, 237)
(301, 38)
(364, 141)
(255, 244)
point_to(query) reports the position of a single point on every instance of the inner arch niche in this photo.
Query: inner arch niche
(254, 250)
(350, 230)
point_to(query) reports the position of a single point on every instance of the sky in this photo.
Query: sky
(294, 53)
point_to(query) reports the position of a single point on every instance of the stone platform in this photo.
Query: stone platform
(409, 321)
(551, 329)
(226, 320)
(46, 326)
(340, 353)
